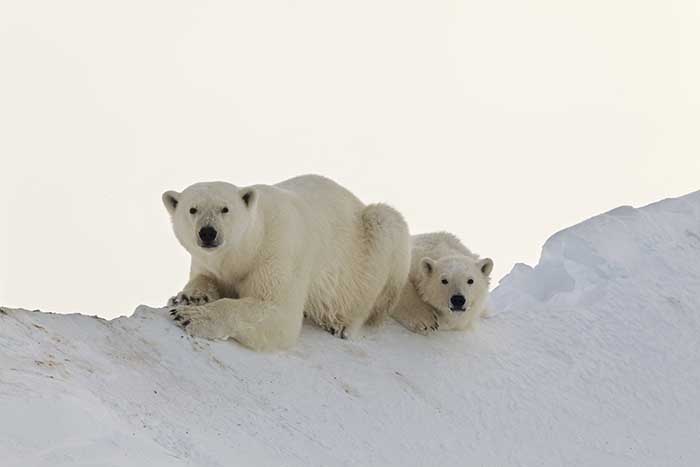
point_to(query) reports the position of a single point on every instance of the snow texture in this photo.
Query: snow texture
(590, 358)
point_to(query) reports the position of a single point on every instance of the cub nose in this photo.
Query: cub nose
(458, 301)
(207, 234)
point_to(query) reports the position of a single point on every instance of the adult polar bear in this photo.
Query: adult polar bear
(263, 256)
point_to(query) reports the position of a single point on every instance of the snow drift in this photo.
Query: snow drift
(592, 357)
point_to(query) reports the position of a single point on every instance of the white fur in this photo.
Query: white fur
(424, 305)
(303, 246)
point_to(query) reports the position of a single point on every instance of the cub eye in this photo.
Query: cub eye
(193, 210)
(224, 210)
(445, 281)
(470, 281)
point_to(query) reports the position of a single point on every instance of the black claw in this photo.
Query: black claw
(177, 318)
(185, 323)
(173, 311)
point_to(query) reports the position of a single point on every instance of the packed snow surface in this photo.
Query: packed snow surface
(590, 358)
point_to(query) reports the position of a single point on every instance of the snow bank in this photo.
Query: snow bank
(591, 358)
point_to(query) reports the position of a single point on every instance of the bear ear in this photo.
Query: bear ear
(427, 265)
(249, 197)
(170, 200)
(486, 266)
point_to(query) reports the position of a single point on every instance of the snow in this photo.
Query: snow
(592, 357)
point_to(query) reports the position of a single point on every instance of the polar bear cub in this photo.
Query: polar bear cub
(266, 255)
(448, 285)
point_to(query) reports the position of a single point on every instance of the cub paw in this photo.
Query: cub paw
(426, 325)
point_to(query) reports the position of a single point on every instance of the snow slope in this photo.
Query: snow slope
(591, 358)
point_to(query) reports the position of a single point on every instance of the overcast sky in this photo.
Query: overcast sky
(501, 121)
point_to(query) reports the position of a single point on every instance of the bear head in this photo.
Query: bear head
(454, 283)
(208, 216)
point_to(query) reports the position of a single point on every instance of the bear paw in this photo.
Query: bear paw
(198, 321)
(427, 325)
(191, 298)
(339, 331)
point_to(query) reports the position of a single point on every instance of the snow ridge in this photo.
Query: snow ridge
(592, 357)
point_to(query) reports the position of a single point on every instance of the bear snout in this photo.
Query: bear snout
(207, 237)
(457, 302)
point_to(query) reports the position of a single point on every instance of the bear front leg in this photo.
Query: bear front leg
(420, 320)
(199, 290)
(256, 324)
(414, 314)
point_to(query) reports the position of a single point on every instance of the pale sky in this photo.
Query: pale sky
(500, 121)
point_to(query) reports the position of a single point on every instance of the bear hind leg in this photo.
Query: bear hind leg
(388, 258)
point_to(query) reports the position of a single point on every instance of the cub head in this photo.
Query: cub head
(208, 216)
(454, 283)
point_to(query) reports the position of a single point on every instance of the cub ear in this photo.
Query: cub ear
(486, 266)
(427, 265)
(170, 200)
(249, 197)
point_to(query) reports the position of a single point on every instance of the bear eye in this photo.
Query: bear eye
(445, 281)
(193, 210)
(224, 210)
(470, 281)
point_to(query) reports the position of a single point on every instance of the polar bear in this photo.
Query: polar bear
(448, 285)
(265, 256)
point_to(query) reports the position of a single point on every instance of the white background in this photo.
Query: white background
(501, 121)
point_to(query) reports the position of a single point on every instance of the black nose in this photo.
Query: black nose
(207, 234)
(458, 301)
